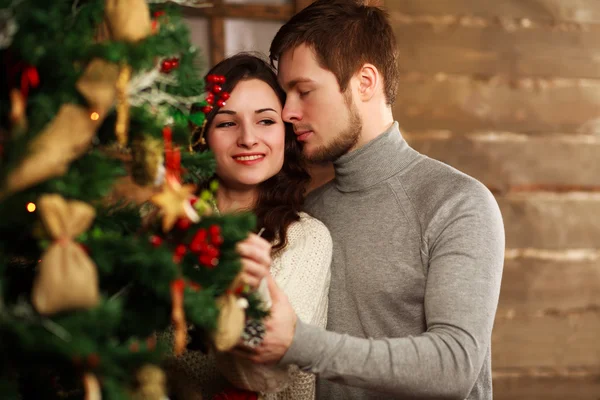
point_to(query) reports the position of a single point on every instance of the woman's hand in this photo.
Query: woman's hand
(256, 259)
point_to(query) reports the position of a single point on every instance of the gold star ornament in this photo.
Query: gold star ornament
(174, 203)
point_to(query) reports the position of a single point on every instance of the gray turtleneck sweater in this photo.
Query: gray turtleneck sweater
(418, 250)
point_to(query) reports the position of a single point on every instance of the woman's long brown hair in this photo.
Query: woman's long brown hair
(281, 197)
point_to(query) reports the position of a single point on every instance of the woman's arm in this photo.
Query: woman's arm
(302, 270)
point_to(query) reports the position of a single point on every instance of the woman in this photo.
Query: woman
(259, 168)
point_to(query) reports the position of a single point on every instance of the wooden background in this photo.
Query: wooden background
(509, 92)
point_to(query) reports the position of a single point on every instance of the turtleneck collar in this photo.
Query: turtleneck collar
(375, 162)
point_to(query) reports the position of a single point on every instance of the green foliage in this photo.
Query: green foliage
(46, 356)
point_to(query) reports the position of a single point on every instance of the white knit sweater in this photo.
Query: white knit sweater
(302, 271)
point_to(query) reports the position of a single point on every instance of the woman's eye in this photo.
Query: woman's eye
(225, 124)
(267, 122)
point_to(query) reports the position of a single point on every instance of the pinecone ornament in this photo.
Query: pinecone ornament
(254, 333)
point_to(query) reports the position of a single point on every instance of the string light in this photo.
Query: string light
(95, 116)
(31, 207)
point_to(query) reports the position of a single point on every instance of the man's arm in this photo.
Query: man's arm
(463, 284)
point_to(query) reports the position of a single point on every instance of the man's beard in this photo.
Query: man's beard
(345, 140)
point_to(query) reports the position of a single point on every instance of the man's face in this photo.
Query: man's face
(325, 120)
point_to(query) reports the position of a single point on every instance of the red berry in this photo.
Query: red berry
(211, 251)
(211, 78)
(175, 62)
(221, 103)
(158, 14)
(216, 89)
(210, 100)
(205, 260)
(221, 79)
(217, 240)
(214, 230)
(200, 236)
(195, 247)
(183, 223)
(155, 240)
(180, 250)
(193, 200)
(225, 95)
(207, 109)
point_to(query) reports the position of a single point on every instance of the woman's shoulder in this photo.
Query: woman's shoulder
(308, 227)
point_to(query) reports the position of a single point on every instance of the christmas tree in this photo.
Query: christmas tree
(94, 93)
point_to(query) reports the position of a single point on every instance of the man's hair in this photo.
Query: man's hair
(345, 35)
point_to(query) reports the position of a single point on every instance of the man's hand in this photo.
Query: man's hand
(280, 327)
(255, 253)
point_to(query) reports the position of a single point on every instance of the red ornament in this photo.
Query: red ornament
(221, 103)
(216, 89)
(210, 100)
(225, 96)
(155, 240)
(210, 78)
(158, 14)
(155, 26)
(207, 109)
(193, 200)
(221, 79)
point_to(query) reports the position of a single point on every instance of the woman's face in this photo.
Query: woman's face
(247, 136)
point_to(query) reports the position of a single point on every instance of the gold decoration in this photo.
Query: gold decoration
(97, 85)
(147, 160)
(67, 278)
(128, 20)
(151, 382)
(174, 203)
(178, 317)
(17, 117)
(122, 125)
(66, 138)
(92, 387)
(230, 324)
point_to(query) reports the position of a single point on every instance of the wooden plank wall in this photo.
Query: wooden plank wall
(509, 92)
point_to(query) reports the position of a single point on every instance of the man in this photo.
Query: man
(418, 246)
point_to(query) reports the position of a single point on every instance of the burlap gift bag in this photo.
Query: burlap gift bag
(67, 278)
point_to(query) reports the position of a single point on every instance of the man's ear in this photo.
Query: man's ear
(369, 79)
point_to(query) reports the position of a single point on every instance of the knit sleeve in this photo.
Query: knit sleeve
(302, 271)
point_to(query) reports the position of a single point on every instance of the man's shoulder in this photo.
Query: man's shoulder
(432, 186)
(315, 197)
